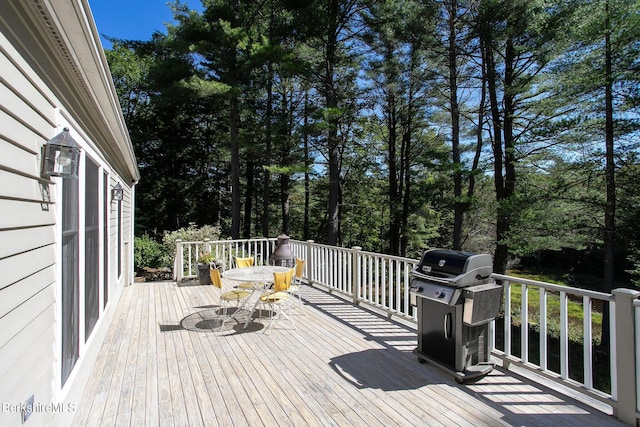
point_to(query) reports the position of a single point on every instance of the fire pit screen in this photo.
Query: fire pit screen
(283, 256)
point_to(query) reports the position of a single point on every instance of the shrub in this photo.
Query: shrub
(189, 234)
(206, 258)
(209, 258)
(147, 252)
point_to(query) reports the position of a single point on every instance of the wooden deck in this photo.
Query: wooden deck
(161, 364)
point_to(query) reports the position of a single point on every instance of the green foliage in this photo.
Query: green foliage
(628, 181)
(634, 259)
(147, 252)
(297, 109)
(206, 258)
(192, 233)
(176, 135)
(575, 312)
(423, 231)
(209, 258)
(205, 87)
(554, 210)
(130, 72)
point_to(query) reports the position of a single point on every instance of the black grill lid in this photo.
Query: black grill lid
(449, 263)
(443, 262)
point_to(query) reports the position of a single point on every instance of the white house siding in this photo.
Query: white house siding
(27, 241)
(53, 75)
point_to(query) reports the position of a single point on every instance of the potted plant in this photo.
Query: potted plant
(204, 262)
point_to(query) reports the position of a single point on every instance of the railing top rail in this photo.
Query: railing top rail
(554, 287)
(252, 239)
(391, 257)
(321, 245)
(372, 254)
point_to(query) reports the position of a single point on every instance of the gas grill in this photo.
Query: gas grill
(455, 299)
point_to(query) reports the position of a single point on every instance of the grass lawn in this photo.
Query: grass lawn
(574, 308)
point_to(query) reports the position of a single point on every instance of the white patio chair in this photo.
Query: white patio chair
(277, 298)
(294, 290)
(227, 298)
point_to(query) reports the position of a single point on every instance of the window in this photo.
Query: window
(70, 317)
(91, 247)
(119, 225)
(105, 238)
(86, 217)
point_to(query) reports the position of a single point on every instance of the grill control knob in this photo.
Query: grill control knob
(439, 294)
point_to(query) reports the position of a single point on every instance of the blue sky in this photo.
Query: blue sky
(132, 19)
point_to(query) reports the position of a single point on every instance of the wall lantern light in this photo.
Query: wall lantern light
(60, 156)
(117, 193)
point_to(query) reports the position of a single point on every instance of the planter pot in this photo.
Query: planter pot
(203, 274)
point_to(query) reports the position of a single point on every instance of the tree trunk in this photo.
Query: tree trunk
(501, 252)
(459, 207)
(333, 229)
(248, 200)
(267, 154)
(610, 205)
(508, 184)
(479, 134)
(406, 192)
(395, 207)
(307, 165)
(285, 182)
(285, 178)
(405, 158)
(235, 167)
(333, 232)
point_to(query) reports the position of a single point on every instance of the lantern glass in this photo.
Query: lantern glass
(61, 156)
(117, 192)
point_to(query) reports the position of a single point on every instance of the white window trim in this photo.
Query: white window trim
(85, 343)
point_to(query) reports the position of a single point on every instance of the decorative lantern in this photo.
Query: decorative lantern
(61, 155)
(283, 256)
(117, 193)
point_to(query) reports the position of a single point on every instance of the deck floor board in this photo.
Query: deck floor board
(165, 362)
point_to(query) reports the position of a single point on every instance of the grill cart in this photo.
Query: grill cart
(455, 299)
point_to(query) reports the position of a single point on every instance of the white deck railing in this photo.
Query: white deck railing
(382, 281)
(375, 279)
(187, 253)
(563, 296)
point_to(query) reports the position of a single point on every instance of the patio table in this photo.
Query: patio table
(261, 276)
(256, 274)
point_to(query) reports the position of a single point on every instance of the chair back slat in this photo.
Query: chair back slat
(216, 278)
(282, 281)
(299, 268)
(244, 262)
